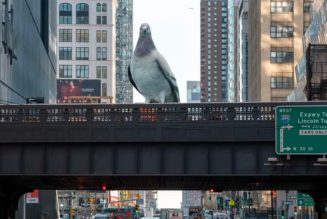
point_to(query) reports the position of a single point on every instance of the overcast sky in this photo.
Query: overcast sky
(175, 26)
(169, 199)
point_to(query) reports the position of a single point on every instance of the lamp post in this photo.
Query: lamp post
(249, 203)
(30, 100)
(61, 210)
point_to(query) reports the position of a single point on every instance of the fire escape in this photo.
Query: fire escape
(316, 88)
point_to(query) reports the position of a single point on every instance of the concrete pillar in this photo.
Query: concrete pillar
(320, 199)
(9, 202)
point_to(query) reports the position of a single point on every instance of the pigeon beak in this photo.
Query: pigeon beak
(144, 29)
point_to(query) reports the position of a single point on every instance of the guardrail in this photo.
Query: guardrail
(131, 113)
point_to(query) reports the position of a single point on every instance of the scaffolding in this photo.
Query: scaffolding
(316, 87)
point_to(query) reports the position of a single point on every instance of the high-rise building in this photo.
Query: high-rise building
(191, 199)
(214, 50)
(86, 51)
(232, 76)
(28, 68)
(193, 92)
(27, 51)
(276, 29)
(124, 50)
(243, 55)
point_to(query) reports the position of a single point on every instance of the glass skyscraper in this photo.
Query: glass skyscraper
(124, 50)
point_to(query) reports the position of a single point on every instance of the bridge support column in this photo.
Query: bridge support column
(9, 203)
(320, 199)
(321, 208)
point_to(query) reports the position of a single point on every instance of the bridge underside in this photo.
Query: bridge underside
(157, 165)
(219, 183)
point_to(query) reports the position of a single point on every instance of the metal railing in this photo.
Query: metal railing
(131, 113)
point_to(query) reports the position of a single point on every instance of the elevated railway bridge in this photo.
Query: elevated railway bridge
(227, 146)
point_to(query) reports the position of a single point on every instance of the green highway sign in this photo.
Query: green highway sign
(301, 130)
(304, 199)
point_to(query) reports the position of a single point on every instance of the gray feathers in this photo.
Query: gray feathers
(150, 73)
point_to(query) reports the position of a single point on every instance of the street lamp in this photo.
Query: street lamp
(273, 161)
(61, 210)
(321, 161)
(34, 100)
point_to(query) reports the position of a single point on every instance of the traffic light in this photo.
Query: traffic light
(295, 210)
(104, 187)
(212, 190)
(283, 214)
(274, 193)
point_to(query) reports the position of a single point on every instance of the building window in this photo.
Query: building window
(82, 13)
(305, 26)
(104, 36)
(101, 73)
(104, 53)
(98, 36)
(98, 53)
(307, 6)
(65, 71)
(281, 30)
(65, 53)
(65, 35)
(82, 71)
(282, 81)
(98, 19)
(82, 35)
(82, 53)
(101, 19)
(281, 55)
(104, 7)
(279, 6)
(104, 19)
(104, 72)
(104, 89)
(65, 13)
(98, 7)
(98, 72)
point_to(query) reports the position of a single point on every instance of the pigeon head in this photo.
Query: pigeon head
(145, 43)
(145, 30)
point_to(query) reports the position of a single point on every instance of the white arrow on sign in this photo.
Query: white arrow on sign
(287, 149)
(281, 140)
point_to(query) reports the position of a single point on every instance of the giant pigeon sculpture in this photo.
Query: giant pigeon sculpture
(150, 73)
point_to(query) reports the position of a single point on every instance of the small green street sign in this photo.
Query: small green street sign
(304, 199)
(287, 203)
(301, 129)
